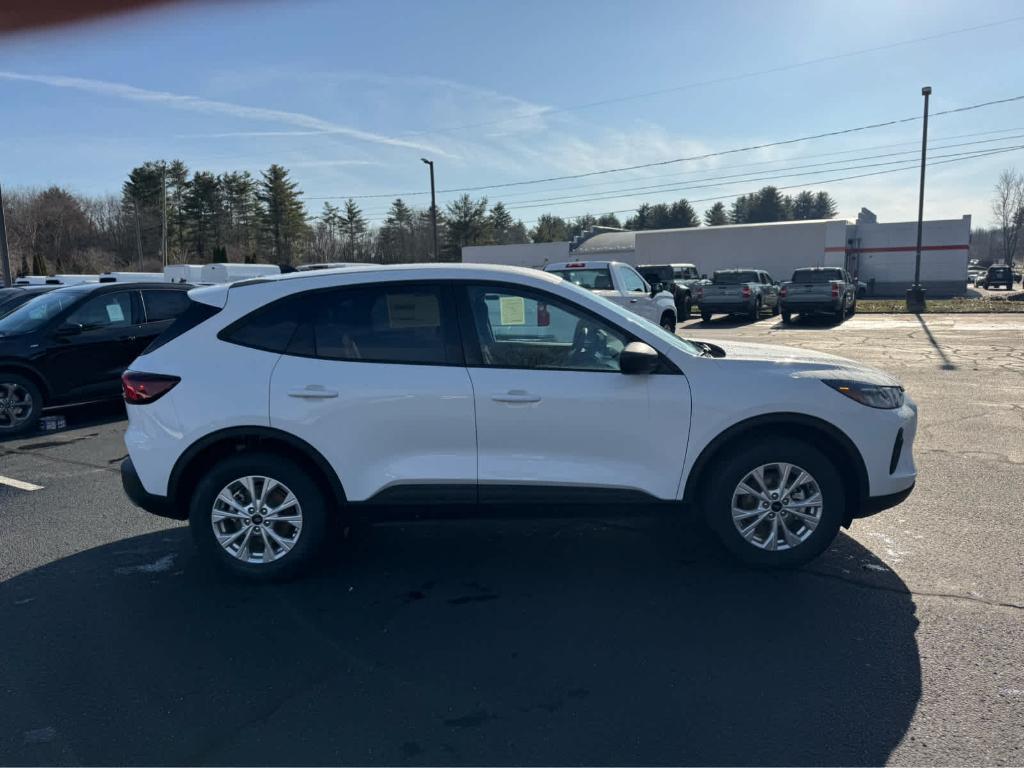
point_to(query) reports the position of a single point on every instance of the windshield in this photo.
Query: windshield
(598, 279)
(35, 312)
(734, 278)
(630, 320)
(816, 275)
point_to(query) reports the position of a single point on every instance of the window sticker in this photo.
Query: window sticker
(513, 310)
(410, 310)
(115, 313)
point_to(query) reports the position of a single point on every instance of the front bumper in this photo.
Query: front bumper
(875, 504)
(140, 497)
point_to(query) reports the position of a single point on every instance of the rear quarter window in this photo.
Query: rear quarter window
(269, 328)
(195, 314)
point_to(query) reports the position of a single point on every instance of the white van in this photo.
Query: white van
(183, 273)
(131, 277)
(229, 273)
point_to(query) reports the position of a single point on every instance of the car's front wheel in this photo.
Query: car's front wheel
(20, 404)
(668, 322)
(260, 516)
(776, 504)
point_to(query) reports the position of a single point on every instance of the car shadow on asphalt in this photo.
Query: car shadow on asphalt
(554, 642)
(77, 417)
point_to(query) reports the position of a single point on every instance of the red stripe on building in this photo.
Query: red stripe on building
(897, 249)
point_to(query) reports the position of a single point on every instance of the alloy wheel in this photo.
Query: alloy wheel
(15, 405)
(256, 519)
(777, 506)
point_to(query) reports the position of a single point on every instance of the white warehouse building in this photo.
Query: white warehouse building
(879, 254)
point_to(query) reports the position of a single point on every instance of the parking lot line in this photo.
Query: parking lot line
(21, 485)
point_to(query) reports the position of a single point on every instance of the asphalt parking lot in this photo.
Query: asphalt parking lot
(624, 641)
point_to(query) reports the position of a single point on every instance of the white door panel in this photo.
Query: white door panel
(394, 424)
(580, 428)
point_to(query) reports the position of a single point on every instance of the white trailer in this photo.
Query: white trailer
(31, 280)
(229, 273)
(70, 279)
(131, 277)
(183, 273)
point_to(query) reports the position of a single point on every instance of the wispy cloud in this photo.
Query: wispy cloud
(210, 106)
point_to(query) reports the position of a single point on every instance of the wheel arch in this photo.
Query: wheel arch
(29, 373)
(224, 442)
(824, 436)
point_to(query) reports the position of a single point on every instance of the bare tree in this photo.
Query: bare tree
(1008, 209)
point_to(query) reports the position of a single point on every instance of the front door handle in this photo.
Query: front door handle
(633, 301)
(515, 396)
(312, 392)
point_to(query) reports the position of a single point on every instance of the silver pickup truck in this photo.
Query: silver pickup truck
(738, 292)
(828, 290)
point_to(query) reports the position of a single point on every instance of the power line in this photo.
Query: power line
(659, 163)
(716, 81)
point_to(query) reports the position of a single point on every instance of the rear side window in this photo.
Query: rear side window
(270, 328)
(194, 314)
(164, 305)
(384, 324)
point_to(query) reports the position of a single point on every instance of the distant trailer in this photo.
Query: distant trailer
(31, 280)
(183, 273)
(229, 273)
(132, 277)
(70, 279)
(327, 265)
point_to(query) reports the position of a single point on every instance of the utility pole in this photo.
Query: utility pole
(5, 256)
(163, 208)
(433, 203)
(916, 294)
(138, 230)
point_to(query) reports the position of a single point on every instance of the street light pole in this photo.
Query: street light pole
(5, 256)
(916, 294)
(433, 203)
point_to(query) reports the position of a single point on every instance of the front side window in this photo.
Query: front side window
(518, 328)
(110, 310)
(631, 280)
(383, 324)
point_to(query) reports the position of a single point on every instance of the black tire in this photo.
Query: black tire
(15, 422)
(684, 311)
(787, 317)
(717, 502)
(840, 314)
(668, 321)
(853, 309)
(705, 316)
(755, 311)
(775, 309)
(311, 499)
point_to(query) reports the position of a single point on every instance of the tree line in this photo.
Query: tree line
(169, 214)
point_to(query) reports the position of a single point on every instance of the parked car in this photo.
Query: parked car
(979, 280)
(370, 388)
(828, 290)
(738, 292)
(680, 279)
(998, 274)
(72, 345)
(622, 284)
(12, 298)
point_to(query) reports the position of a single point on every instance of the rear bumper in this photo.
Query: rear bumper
(140, 497)
(728, 308)
(809, 306)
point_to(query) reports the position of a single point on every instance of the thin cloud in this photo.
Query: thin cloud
(210, 106)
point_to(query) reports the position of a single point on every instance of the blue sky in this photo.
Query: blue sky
(350, 95)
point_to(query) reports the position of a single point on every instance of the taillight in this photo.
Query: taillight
(143, 388)
(783, 291)
(700, 291)
(835, 290)
(746, 291)
(543, 316)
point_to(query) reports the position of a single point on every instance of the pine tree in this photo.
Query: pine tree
(716, 215)
(642, 219)
(609, 220)
(282, 214)
(549, 229)
(767, 205)
(238, 193)
(500, 222)
(353, 227)
(803, 205)
(466, 223)
(681, 215)
(824, 206)
(203, 210)
(739, 211)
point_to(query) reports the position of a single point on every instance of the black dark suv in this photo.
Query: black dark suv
(999, 274)
(72, 344)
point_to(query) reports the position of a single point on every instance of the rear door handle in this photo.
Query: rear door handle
(515, 396)
(312, 392)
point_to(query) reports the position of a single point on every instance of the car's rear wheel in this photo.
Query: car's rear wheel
(20, 404)
(775, 309)
(684, 308)
(668, 322)
(776, 504)
(755, 311)
(853, 309)
(787, 317)
(705, 316)
(260, 516)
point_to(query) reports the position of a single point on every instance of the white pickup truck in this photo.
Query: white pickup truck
(622, 284)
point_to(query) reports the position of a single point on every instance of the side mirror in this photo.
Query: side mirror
(69, 329)
(638, 357)
(657, 288)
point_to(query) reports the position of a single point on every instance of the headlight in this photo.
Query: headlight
(871, 395)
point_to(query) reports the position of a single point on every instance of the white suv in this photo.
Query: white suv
(275, 404)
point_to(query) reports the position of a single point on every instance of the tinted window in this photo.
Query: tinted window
(383, 324)
(734, 278)
(598, 279)
(109, 310)
(35, 313)
(631, 281)
(269, 328)
(164, 305)
(193, 315)
(817, 275)
(520, 329)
